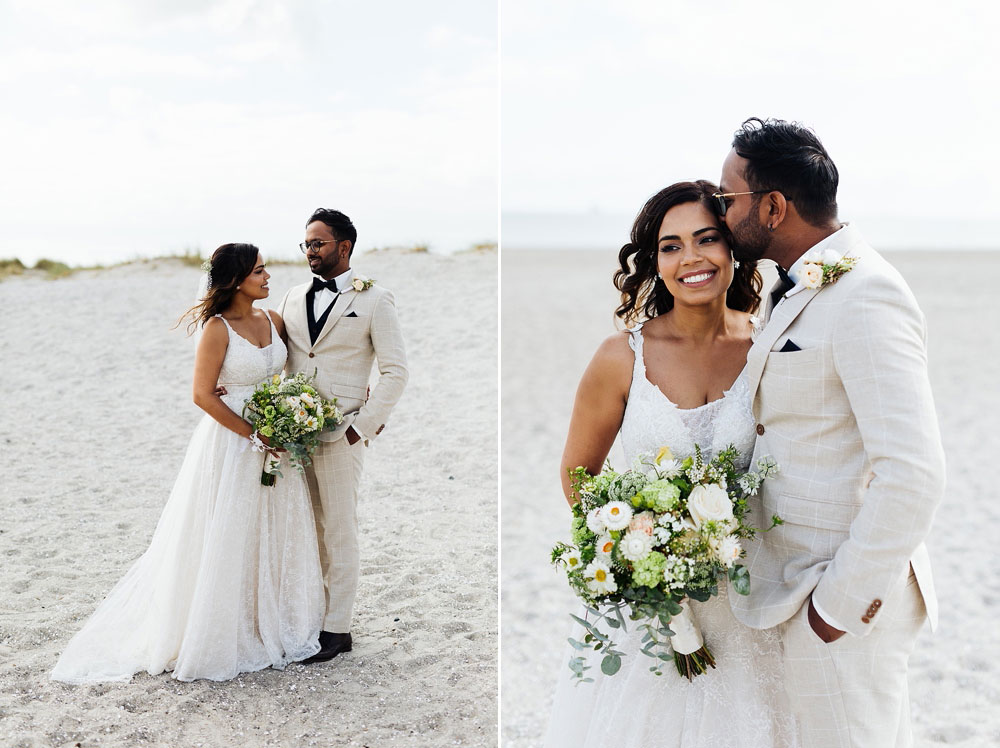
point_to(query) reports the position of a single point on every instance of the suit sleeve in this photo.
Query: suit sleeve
(880, 356)
(387, 340)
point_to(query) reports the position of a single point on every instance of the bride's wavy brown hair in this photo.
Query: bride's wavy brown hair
(231, 263)
(642, 296)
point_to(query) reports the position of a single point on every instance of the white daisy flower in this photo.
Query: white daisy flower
(604, 545)
(599, 578)
(573, 561)
(616, 515)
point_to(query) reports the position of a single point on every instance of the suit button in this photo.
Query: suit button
(865, 619)
(760, 429)
(312, 355)
(876, 603)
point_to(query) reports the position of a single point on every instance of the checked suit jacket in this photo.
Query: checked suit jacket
(850, 420)
(362, 328)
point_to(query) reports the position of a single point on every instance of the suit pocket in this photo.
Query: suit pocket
(348, 391)
(792, 358)
(824, 515)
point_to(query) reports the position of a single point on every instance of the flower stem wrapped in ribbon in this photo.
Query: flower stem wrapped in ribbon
(292, 415)
(647, 540)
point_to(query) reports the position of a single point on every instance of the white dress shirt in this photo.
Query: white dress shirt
(324, 299)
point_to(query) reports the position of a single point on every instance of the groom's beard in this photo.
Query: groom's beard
(750, 240)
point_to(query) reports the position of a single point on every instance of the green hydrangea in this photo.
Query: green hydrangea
(580, 532)
(660, 496)
(648, 571)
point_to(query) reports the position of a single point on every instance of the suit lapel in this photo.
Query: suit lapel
(339, 306)
(783, 316)
(295, 316)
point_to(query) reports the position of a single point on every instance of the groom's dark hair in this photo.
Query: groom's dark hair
(789, 158)
(339, 224)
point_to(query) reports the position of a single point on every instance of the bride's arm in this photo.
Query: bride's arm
(598, 410)
(207, 365)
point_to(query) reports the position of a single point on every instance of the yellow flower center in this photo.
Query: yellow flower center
(600, 575)
(615, 511)
(606, 548)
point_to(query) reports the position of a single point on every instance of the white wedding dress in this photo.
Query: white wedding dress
(231, 580)
(739, 704)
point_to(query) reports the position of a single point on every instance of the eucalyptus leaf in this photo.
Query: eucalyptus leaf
(739, 576)
(611, 664)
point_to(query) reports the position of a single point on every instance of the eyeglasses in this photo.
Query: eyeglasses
(721, 205)
(315, 244)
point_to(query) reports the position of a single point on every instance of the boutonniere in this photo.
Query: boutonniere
(362, 284)
(821, 269)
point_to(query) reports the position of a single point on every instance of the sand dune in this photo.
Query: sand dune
(96, 416)
(557, 307)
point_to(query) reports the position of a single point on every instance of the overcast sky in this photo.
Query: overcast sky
(132, 128)
(605, 103)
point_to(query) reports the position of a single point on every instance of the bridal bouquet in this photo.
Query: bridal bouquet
(292, 415)
(646, 539)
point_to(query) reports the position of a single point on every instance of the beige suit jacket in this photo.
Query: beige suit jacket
(850, 420)
(362, 328)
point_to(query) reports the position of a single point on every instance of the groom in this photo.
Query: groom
(338, 325)
(843, 405)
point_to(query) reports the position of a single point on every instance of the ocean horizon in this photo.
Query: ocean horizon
(596, 230)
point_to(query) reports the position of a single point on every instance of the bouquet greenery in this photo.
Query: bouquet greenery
(646, 539)
(292, 415)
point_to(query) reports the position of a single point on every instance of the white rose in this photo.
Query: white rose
(831, 257)
(616, 515)
(636, 545)
(812, 275)
(709, 502)
(358, 284)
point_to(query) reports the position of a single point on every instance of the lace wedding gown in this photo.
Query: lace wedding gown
(741, 703)
(231, 580)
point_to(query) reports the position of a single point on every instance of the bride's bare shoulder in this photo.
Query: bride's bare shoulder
(614, 354)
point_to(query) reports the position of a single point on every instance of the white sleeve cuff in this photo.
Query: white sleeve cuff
(829, 619)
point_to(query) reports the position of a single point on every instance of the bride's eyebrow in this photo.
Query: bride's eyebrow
(695, 233)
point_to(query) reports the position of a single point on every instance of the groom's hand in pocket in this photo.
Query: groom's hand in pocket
(821, 628)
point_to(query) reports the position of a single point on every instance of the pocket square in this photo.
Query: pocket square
(352, 314)
(789, 346)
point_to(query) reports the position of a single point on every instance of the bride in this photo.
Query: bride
(674, 379)
(231, 580)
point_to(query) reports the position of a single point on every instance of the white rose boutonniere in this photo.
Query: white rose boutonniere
(821, 269)
(362, 284)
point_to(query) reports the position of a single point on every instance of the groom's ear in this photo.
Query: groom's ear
(777, 208)
(350, 247)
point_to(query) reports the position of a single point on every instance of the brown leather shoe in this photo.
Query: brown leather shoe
(330, 645)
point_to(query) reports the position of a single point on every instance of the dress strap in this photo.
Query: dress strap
(225, 322)
(635, 343)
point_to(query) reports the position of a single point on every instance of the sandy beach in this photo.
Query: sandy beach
(558, 306)
(96, 418)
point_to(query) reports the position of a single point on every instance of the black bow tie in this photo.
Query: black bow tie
(319, 285)
(783, 286)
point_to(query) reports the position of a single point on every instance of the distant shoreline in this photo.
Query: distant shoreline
(53, 269)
